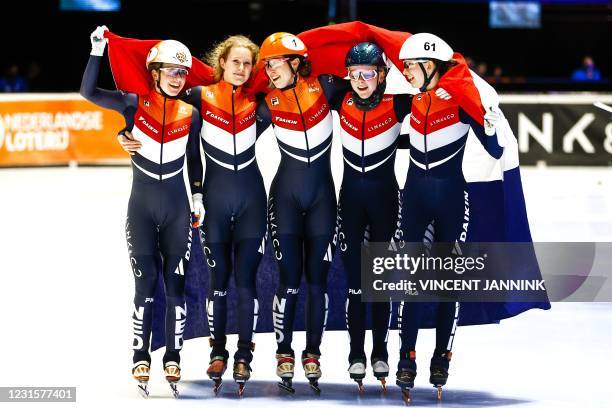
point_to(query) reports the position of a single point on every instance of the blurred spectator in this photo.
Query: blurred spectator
(33, 76)
(588, 72)
(470, 63)
(481, 69)
(12, 81)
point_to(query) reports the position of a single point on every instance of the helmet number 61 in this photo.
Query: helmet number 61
(429, 46)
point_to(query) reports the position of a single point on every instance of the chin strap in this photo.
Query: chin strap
(427, 78)
(161, 90)
(295, 78)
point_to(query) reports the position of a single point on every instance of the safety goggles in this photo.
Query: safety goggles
(273, 63)
(175, 72)
(409, 64)
(365, 74)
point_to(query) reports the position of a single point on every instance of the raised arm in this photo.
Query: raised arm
(115, 100)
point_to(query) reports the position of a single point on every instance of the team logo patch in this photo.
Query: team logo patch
(418, 98)
(274, 101)
(349, 101)
(313, 89)
(147, 103)
(182, 109)
(209, 94)
(181, 57)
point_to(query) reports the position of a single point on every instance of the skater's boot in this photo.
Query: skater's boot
(216, 368)
(357, 370)
(380, 368)
(312, 369)
(218, 363)
(439, 370)
(140, 372)
(242, 373)
(172, 370)
(406, 373)
(285, 365)
(242, 368)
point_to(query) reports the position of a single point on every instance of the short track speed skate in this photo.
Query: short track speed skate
(218, 365)
(285, 365)
(439, 371)
(380, 368)
(172, 370)
(140, 372)
(312, 369)
(242, 373)
(357, 372)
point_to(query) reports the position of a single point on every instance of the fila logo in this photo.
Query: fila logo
(274, 101)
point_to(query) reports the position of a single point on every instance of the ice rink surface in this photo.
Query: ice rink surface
(64, 252)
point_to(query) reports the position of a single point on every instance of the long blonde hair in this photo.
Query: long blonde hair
(222, 49)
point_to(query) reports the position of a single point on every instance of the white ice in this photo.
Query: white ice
(63, 253)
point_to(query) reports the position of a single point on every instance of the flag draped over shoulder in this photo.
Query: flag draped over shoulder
(127, 58)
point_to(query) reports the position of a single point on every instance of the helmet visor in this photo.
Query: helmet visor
(273, 63)
(366, 74)
(175, 72)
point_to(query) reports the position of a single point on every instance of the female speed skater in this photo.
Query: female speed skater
(370, 122)
(158, 216)
(302, 202)
(234, 199)
(435, 191)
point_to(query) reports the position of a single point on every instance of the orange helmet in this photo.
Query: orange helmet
(281, 44)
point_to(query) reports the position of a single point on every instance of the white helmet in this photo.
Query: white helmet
(170, 52)
(425, 46)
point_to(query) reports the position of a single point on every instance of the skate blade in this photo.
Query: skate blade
(143, 390)
(438, 392)
(217, 386)
(315, 387)
(383, 384)
(286, 387)
(174, 389)
(240, 389)
(360, 387)
(407, 396)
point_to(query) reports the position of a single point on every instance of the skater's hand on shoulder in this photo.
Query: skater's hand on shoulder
(198, 209)
(128, 143)
(492, 120)
(98, 41)
(442, 94)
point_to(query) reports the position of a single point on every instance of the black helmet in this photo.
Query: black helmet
(365, 53)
